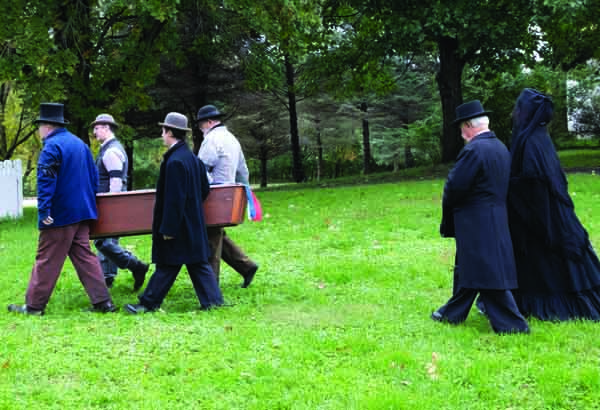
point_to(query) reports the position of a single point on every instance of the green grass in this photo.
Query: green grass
(337, 318)
(580, 158)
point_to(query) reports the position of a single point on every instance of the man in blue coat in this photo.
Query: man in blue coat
(67, 181)
(178, 226)
(474, 212)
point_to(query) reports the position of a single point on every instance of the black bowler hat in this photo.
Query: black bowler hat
(468, 110)
(208, 111)
(52, 113)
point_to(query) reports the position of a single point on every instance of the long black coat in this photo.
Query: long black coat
(178, 212)
(474, 212)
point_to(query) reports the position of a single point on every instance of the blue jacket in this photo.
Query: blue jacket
(67, 180)
(181, 189)
(475, 201)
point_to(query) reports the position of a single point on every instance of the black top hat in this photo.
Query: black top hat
(208, 111)
(468, 110)
(51, 113)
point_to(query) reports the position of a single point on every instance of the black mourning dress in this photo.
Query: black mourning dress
(558, 270)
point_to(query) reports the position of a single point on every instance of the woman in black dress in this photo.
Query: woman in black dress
(558, 270)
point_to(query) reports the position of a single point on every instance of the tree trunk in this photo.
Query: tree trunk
(72, 32)
(129, 151)
(4, 92)
(409, 158)
(297, 168)
(366, 140)
(263, 167)
(560, 121)
(319, 151)
(449, 80)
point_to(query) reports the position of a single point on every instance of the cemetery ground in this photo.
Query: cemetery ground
(337, 318)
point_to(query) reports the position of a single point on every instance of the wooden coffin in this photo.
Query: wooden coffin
(130, 213)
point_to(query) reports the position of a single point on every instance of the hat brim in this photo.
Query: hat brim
(48, 121)
(104, 123)
(471, 116)
(208, 118)
(162, 124)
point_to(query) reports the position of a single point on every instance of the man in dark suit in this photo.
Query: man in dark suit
(474, 212)
(178, 225)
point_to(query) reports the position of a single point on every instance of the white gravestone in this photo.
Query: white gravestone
(11, 189)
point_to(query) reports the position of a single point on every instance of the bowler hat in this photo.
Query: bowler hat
(468, 110)
(176, 121)
(208, 111)
(104, 119)
(52, 113)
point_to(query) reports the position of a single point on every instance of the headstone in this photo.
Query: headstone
(11, 189)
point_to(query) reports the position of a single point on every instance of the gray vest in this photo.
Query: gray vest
(105, 176)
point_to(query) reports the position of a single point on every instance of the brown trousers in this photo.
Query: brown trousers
(54, 245)
(221, 247)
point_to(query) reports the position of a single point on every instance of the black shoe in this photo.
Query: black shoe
(438, 317)
(137, 308)
(23, 309)
(249, 276)
(104, 307)
(139, 274)
(481, 307)
(109, 282)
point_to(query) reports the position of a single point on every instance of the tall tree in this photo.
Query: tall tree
(260, 126)
(27, 71)
(478, 33)
(347, 69)
(287, 29)
(117, 46)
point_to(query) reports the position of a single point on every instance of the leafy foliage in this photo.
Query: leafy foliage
(584, 100)
(274, 60)
(570, 29)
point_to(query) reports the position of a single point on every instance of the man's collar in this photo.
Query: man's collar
(110, 137)
(53, 132)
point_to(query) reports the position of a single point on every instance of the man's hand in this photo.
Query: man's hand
(48, 220)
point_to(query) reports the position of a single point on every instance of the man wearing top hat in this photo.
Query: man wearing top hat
(67, 180)
(112, 166)
(222, 154)
(474, 213)
(178, 224)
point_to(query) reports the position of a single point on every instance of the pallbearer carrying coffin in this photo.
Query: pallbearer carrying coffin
(222, 154)
(178, 225)
(112, 166)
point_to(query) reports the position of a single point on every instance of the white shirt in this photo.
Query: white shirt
(222, 154)
(113, 161)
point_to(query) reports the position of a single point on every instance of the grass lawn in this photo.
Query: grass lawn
(580, 158)
(337, 318)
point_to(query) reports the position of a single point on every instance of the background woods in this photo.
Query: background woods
(313, 89)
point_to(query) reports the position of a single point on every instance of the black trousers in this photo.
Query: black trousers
(501, 309)
(204, 281)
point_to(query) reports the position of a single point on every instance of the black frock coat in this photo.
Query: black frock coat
(178, 212)
(474, 212)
